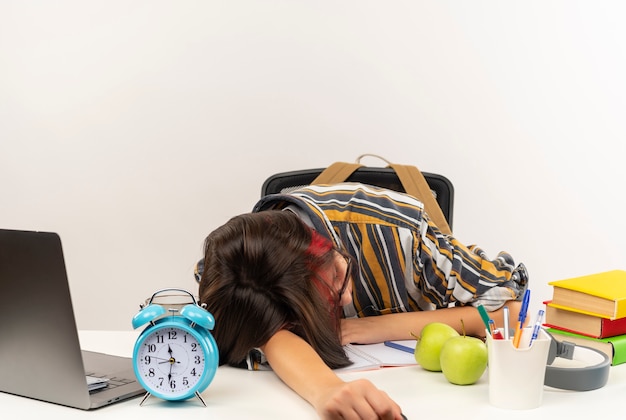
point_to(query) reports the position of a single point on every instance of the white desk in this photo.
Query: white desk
(240, 394)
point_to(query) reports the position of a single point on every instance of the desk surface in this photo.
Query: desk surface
(240, 394)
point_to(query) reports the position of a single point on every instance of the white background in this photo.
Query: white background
(134, 128)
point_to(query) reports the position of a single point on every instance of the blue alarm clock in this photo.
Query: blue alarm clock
(175, 357)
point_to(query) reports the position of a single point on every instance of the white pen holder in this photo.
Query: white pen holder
(516, 375)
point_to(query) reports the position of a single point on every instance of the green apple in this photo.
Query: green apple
(463, 360)
(429, 344)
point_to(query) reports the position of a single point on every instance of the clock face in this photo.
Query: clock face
(170, 362)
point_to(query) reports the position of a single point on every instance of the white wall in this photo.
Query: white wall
(133, 128)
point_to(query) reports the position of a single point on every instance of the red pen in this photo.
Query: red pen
(495, 333)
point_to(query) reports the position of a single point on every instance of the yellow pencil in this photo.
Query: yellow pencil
(521, 318)
(518, 335)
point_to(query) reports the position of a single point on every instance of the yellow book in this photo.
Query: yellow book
(601, 294)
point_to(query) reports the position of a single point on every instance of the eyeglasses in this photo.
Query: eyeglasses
(346, 279)
(328, 287)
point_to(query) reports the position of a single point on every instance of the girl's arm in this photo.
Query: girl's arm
(299, 366)
(399, 326)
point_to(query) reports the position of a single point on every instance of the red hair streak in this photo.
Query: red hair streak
(319, 245)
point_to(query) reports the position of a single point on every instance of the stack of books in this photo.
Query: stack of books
(590, 311)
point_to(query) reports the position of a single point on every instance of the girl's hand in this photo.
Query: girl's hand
(301, 368)
(368, 330)
(358, 399)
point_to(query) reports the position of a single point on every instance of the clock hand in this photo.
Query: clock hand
(171, 361)
(169, 375)
(167, 359)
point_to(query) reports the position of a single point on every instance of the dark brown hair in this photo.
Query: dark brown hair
(258, 278)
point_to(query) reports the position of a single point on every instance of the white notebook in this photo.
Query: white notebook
(377, 356)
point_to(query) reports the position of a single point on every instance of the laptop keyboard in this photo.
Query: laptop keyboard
(112, 381)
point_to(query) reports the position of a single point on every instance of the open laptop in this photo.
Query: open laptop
(40, 355)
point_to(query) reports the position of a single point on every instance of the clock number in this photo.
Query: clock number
(193, 372)
(151, 348)
(159, 339)
(194, 346)
(173, 384)
(171, 335)
(185, 381)
(151, 372)
(197, 360)
(147, 359)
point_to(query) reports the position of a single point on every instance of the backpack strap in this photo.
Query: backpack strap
(416, 185)
(336, 173)
(410, 177)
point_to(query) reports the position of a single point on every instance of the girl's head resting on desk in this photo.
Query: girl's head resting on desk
(268, 271)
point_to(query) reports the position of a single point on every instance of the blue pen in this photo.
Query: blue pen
(537, 326)
(524, 310)
(398, 346)
(522, 317)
